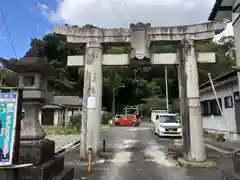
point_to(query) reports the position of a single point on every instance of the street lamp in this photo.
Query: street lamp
(113, 101)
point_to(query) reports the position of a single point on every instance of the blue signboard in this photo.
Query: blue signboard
(8, 117)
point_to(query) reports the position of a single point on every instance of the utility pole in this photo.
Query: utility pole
(217, 100)
(113, 104)
(113, 101)
(166, 87)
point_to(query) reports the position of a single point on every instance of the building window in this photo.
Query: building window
(205, 108)
(214, 107)
(210, 107)
(228, 101)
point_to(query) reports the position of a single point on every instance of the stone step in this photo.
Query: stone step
(65, 174)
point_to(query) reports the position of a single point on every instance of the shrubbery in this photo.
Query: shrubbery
(76, 121)
(106, 116)
(60, 130)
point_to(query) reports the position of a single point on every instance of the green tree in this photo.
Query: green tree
(143, 83)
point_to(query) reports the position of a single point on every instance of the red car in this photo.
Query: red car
(126, 120)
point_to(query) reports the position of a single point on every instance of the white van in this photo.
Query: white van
(168, 125)
(155, 113)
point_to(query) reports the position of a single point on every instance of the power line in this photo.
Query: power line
(119, 14)
(116, 12)
(130, 11)
(9, 36)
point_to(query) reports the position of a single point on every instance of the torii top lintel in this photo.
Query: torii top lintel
(172, 33)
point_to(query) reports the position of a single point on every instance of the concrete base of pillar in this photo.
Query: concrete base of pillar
(47, 166)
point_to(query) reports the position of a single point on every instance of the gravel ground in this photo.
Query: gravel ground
(63, 140)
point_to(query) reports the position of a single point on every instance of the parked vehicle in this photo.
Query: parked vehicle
(126, 120)
(168, 125)
(154, 114)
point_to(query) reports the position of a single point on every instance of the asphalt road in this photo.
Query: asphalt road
(135, 153)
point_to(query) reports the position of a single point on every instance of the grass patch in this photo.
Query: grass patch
(210, 164)
(188, 164)
(60, 130)
(177, 158)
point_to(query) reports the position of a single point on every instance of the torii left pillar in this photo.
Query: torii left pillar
(93, 60)
(92, 97)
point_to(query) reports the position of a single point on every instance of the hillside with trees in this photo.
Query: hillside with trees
(143, 86)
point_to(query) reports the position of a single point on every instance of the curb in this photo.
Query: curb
(74, 144)
(222, 151)
(68, 146)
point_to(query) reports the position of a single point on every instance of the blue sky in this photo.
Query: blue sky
(25, 21)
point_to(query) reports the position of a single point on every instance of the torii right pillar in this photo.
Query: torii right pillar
(193, 126)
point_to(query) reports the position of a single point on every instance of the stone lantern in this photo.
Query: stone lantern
(34, 81)
(34, 71)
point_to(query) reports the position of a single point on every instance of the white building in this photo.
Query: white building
(226, 87)
(61, 109)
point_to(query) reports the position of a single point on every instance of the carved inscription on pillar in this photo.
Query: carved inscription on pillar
(93, 52)
(186, 45)
(91, 56)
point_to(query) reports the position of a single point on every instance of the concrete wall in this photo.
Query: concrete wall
(225, 122)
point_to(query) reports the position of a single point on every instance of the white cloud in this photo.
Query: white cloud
(45, 10)
(119, 13)
(48, 13)
(48, 31)
(2, 36)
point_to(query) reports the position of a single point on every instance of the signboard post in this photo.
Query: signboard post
(10, 128)
(8, 121)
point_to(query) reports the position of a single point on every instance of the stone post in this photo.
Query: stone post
(91, 116)
(86, 88)
(192, 84)
(183, 102)
(94, 65)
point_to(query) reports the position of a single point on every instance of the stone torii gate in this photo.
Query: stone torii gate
(139, 37)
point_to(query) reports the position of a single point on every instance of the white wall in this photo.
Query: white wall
(58, 114)
(70, 114)
(227, 121)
